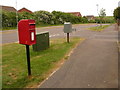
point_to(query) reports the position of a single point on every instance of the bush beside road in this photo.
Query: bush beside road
(45, 18)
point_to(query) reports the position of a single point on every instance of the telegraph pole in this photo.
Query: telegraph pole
(97, 9)
(97, 12)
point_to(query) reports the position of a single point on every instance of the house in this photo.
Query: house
(90, 17)
(75, 13)
(8, 8)
(24, 10)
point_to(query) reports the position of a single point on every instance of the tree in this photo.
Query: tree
(44, 16)
(61, 17)
(84, 19)
(102, 14)
(8, 19)
(117, 15)
(25, 15)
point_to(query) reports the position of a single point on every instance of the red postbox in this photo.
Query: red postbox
(26, 32)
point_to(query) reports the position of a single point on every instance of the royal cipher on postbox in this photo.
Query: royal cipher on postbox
(26, 32)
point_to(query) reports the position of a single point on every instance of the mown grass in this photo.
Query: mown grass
(99, 28)
(8, 28)
(14, 64)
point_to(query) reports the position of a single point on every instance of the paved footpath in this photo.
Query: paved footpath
(94, 64)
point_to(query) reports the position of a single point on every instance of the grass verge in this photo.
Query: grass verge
(9, 28)
(14, 64)
(99, 28)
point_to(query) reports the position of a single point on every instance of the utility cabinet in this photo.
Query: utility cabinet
(42, 41)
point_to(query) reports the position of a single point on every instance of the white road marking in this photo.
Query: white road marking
(54, 35)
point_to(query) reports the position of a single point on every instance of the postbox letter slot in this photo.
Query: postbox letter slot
(32, 24)
(32, 36)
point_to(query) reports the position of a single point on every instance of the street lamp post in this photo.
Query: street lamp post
(97, 8)
(97, 13)
(16, 14)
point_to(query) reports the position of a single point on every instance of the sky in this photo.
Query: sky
(85, 7)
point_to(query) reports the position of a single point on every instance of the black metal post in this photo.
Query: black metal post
(28, 59)
(68, 37)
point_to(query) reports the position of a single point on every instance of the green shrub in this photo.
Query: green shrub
(25, 15)
(44, 16)
(61, 17)
(106, 19)
(117, 13)
(9, 19)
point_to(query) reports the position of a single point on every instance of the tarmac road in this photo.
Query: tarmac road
(55, 32)
(93, 64)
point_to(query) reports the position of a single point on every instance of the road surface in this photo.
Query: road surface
(55, 32)
(93, 64)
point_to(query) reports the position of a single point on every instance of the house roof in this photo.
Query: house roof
(24, 10)
(8, 8)
(90, 16)
(75, 13)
